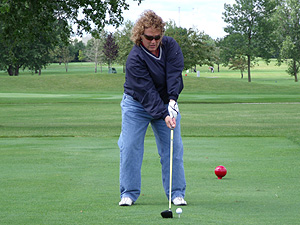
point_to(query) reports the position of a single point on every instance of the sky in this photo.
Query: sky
(205, 15)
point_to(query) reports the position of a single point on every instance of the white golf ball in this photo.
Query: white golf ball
(179, 210)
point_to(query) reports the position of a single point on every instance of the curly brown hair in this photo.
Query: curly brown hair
(148, 19)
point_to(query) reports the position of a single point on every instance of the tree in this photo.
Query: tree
(4, 6)
(239, 62)
(67, 55)
(288, 33)
(81, 56)
(251, 19)
(26, 36)
(62, 45)
(216, 53)
(77, 47)
(28, 28)
(181, 36)
(122, 37)
(194, 44)
(110, 49)
(95, 13)
(202, 48)
(94, 50)
(232, 53)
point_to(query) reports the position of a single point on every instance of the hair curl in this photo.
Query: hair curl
(148, 19)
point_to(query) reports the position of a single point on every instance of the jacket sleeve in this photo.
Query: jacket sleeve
(143, 87)
(174, 68)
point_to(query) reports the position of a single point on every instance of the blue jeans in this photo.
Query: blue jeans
(135, 121)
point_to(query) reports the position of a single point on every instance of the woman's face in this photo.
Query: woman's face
(155, 35)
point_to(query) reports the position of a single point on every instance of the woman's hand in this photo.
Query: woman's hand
(170, 122)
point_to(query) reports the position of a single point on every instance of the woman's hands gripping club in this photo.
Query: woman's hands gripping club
(173, 112)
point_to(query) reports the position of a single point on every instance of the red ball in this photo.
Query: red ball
(220, 171)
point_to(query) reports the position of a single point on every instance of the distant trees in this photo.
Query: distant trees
(232, 53)
(194, 45)
(66, 56)
(94, 51)
(287, 18)
(239, 62)
(123, 41)
(216, 52)
(78, 48)
(101, 49)
(35, 33)
(110, 49)
(251, 22)
(262, 28)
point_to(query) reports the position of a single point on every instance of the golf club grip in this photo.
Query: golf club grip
(171, 168)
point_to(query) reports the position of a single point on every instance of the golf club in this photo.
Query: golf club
(168, 213)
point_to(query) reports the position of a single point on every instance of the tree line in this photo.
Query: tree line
(36, 33)
(261, 28)
(31, 30)
(114, 47)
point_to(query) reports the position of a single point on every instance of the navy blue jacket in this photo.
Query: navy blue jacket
(152, 80)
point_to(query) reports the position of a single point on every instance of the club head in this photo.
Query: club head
(167, 214)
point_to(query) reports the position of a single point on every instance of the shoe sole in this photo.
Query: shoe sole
(125, 205)
(180, 204)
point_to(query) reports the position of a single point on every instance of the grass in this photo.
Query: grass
(59, 157)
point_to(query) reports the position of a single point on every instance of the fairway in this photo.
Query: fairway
(59, 158)
(65, 180)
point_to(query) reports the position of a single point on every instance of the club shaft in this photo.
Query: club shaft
(171, 169)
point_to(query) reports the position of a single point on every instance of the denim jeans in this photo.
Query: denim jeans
(135, 121)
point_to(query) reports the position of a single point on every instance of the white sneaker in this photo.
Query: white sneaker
(179, 201)
(126, 201)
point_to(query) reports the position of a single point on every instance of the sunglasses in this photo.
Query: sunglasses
(150, 38)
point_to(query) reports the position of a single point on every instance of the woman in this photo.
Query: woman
(153, 83)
